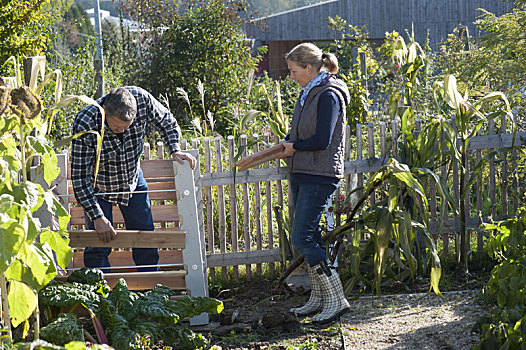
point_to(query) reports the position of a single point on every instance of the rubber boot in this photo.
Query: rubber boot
(315, 303)
(334, 302)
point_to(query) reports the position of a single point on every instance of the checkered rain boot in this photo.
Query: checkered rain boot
(334, 302)
(315, 303)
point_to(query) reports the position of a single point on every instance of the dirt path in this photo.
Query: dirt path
(416, 321)
(254, 318)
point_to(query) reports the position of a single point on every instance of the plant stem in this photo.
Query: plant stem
(36, 325)
(23, 150)
(5, 307)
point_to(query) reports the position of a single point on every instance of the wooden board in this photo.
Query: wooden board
(160, 213)
(169, 194)
(244, 258)
(174, 280)
(259, 157)
(129, 239)
(124, 258)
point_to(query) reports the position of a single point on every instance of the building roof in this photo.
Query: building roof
(440, 17)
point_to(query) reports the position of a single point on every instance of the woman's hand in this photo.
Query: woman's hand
(289, 150)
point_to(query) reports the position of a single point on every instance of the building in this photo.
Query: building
(282, 31)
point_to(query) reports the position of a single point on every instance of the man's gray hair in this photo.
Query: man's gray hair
(120, 103)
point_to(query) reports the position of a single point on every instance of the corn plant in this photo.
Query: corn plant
(277, 120)
(468, 121)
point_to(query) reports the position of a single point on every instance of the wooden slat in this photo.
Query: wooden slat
(157, 168)
(152, 186)
(234, 226)
(129, 239)
(209, 205)
(456, 192)
(124, 258)
(359, 157)
(496, 140)
(257, 210)
(346, 157)
(246, 212)
(221, 205)
(445, 238)
(371, 149)
(268, 195)
(480, 199)
(515, 168)
(504, 171)
(147, 280)
(244, 258)
(160, 213)
(279, 191)
(492, 179)
(151, 168)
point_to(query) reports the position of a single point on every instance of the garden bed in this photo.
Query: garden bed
(255, 317)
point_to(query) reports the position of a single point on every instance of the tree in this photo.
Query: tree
(26, 26)
(198, 41)
(495, 61)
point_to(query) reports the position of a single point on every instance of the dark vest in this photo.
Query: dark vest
(327, 162)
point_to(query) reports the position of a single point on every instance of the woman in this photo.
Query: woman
(314, 148)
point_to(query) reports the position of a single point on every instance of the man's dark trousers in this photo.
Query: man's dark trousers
(137, 216)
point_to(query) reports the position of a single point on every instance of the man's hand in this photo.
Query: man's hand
(289, 150)
(181, 156)
(104, 229)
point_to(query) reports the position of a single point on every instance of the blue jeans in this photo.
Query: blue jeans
(137, 216)
(308, 200)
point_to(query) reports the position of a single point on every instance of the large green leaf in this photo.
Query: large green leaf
(66, 294)
(28, 195)
(393, 104)
(34, 266)
(51, 170)
(12, 236)
(453, 97)
(124, 300)
(53, 206)
(64, 329)
(60, 246)
(408, 125)
(383, 234)
(22, 301)
(405, 234)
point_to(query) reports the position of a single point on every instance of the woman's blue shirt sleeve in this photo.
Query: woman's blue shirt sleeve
(329, 110)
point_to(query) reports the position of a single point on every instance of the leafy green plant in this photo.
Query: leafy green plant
(127, 317)
(347, 39)
(64, 329)
(30, 251)
(504, 329)
(504, 326)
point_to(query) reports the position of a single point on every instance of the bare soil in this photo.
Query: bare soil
(256, 317)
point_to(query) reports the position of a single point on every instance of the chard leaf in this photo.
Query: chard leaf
(124, 300)
(66, 294)
(64, 329)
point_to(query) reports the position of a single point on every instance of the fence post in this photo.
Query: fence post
(193, 258)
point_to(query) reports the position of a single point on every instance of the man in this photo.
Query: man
(120, 180)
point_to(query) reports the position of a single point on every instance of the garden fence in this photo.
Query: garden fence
(237, 209)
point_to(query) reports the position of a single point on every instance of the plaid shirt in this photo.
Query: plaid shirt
(119, 160)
